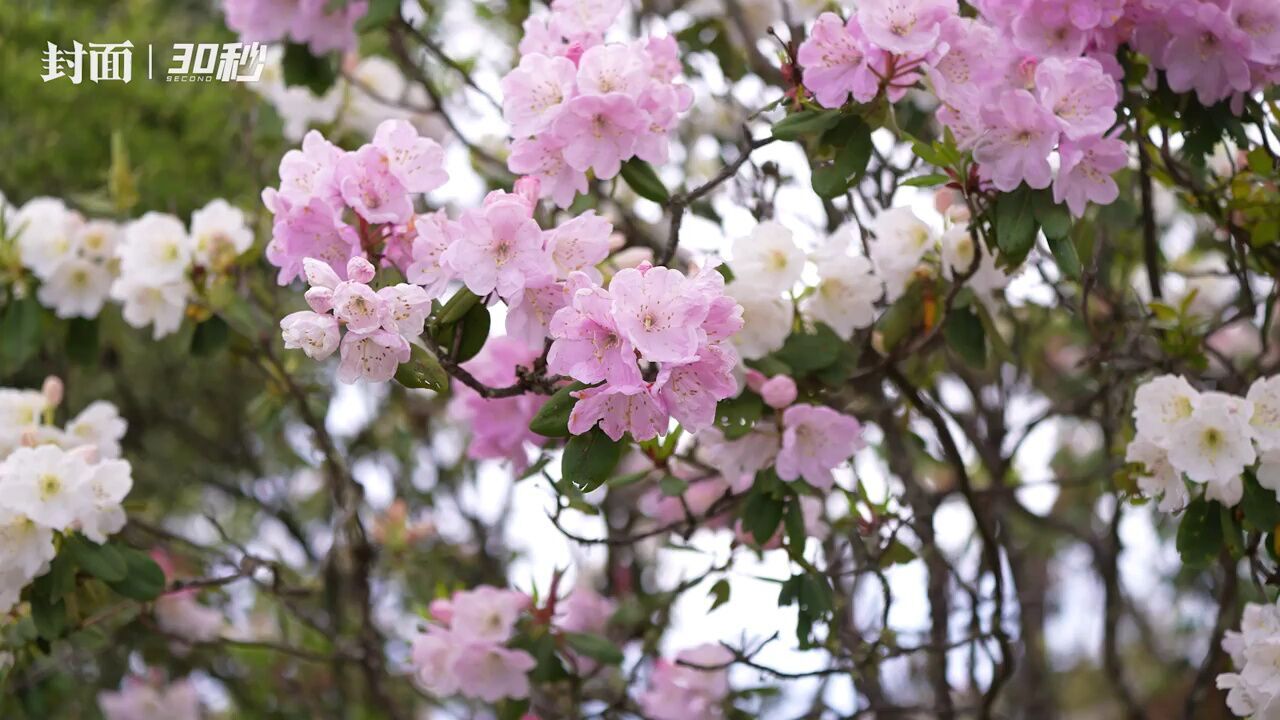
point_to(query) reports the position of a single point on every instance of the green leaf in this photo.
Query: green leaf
(737, 416)
(380, 12)
(474, 327)
(628, 479)
(552, 419)
(1261, 509)
(82, 341)
(902, 317)
(101, 561)
(1054, 219)
(931, 180)
(644, 180)
(761, 515)
(852, 140)
(594, 647)
(1064, 253)
(510, 709)
(1231, 531)
(144, 580)
(302, 68)
(807, 352)
(1200, 533)
(805, 123)
(793, 522)
(50, 618)
(896, 554)
(672, 486)
(719, 594)
(60, 580)
(1015, 225)
(20, 333)
(589, 458)
(965, 336)
(461, 302)
(209, 337)
(422, 371)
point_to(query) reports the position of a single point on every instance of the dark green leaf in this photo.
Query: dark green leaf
(474, 329)
(209, 337)
(896, 554)
(965, 336)
(1261, 509)
(60, 580)
(1200, 533)
(1054, 219)
(589, 458)
(379, 13)
(806, 352)
(82, 341)
(594, 647)
(793, 522)
(552, 419)
(719, 594)
(302, 68)
(1064, 253)
(461, 302)
(644, 180)
(510, 709)
(50, 618)
(101, 561)
(143, 581)
(422, 371)
(736, 416)
(1015, 225)
(805, 123)
(1232, 533)
(19, 333)
(931, 180)
(761, 515)
(852, 140)
(672, 486)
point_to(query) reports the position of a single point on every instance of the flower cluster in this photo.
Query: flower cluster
(678, 691)
(499, 426)
(464, 651)
(320, 184)
(146, 698)
(378, 324)
(322, 25)
(54, 480)
(651, 322)
(576, 103)
(1255, 651)
(1209, 437)
(147, 265)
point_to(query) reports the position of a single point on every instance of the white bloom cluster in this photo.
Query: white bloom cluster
(54, 480)
(1255, 652)
(144, 265)
(70, 255)
(1210, 437)
(157, 254)
(767, 264)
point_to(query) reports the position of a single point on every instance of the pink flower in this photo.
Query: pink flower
(594, 16)
(407, 308)
(417, 162)
(326, 31)
(724, 314)
(904, 26)
(309, 172)
(357, 305)
(969, 68)
(692, 390)
(1048, 34)
(599, 132)
(371, 189)
(500, 248)
(535, 91)
(679, 692)
(1260, 20)
(619, 409)
(584, 611)
(696, 501)
(664, 58)
(139, 699)
(435, 233)
(499, 426)
(529, 320)
(372, 356)
(778, 391)
(1015, 148)
(662, 104)
(659, 311)
(543, 157)
(1084, 173)
(308, 230)
(588, 345)
(613, 68)
(491, 672)
(433, 655)
(580, 244)
(1207, 53)
(816, 439)
(315, 334)
(486, 614)
(1079, 93)
(836, 60)
(739, 460)
(259, 20)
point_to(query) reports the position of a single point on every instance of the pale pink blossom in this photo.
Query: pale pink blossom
(1085, 170)
(1079, 93)
(372, 356)
(315, 334)
(535, 91)
(815, 440)
(836, 59)
(659, 311)
(491, 672)
(499, 248)
(543, 157)
(680, 692)
(1015, 149)
(599, 132)
(619, 409)
(904, 26)
(370, 188)
(417, 162)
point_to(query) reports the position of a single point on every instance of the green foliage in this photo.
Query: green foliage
(552, 419)
(644, 180)
(589, 458)
(423, 371)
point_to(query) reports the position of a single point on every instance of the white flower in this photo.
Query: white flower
(1265, 396)
(766, 318)
(1255, 652)
(146, 303)
(105, 488)
(20, 409)
(1269, 471)
(1262, 665)
(25, 547)
(76, 288)
(486, 614)
(45, 483)
(156, 250)
(46, 234)
(1161, 405)
(1214, 444)
(98, 425)
(1161, 479)
(845, 295)
(219, 234)
(768, 259)
(315, 334)
(97, 240)
(901, 241)
(958, 250)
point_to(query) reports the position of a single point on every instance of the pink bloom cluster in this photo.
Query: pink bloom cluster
(576, 103)
(464, 651)
(678, 692)
(652, 345)
(147, 698)
(322, 188)
(499, 426)
(320, 24)
(808, 443)
(378, 323)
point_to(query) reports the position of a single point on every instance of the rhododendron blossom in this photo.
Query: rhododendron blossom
(465, 650)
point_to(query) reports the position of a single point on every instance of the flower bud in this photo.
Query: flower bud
(779, 391)
(53, 391)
